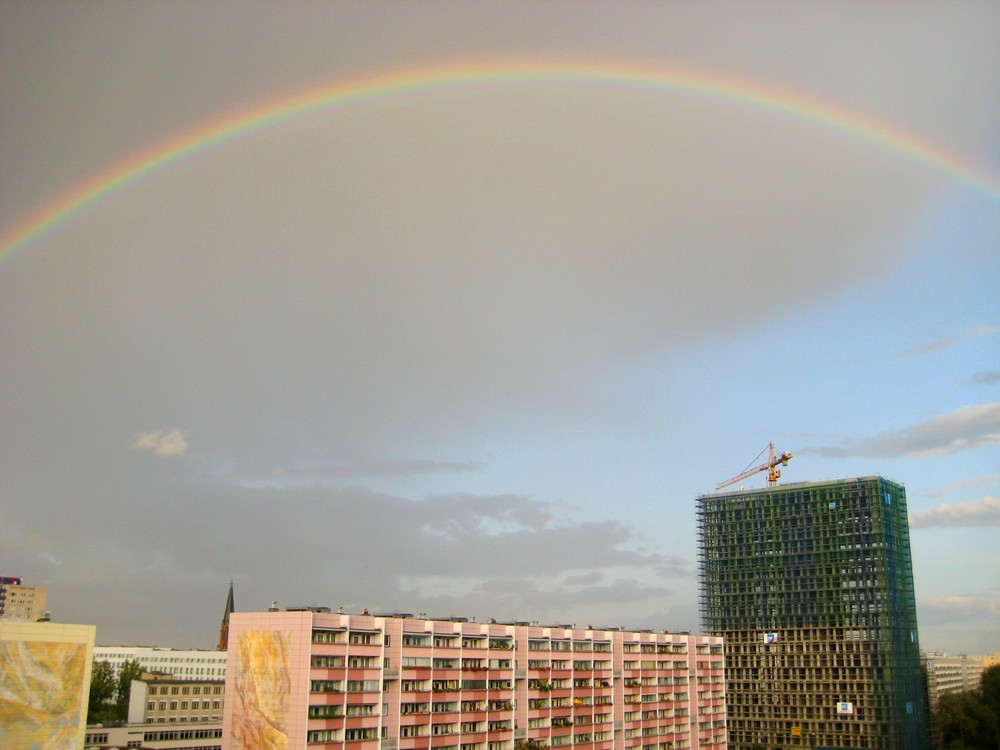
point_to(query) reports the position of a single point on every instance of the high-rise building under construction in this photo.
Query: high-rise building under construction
(811, 586)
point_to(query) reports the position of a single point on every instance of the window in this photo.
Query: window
(323, 735)
(326, 686)
(325, 712)
(325, 662)
(327, 636)
(352, 735)
(361, 709)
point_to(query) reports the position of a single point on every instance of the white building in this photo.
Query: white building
(181, 665)
(185, 736)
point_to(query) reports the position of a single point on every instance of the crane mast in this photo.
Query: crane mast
(770, 466)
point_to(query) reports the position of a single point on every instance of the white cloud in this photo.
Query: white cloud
(985, 512)
(950, 341)
(958, 608)
(966, 428)
(964, 484)
(171, 443)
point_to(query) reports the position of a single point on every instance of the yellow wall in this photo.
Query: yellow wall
(44, 684)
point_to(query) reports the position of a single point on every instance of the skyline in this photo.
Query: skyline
(475, 346)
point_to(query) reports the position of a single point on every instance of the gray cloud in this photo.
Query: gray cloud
(501, 556)
(950, 341)
(966, 428)
(985, 512)
(991, 377)
(379, 293)
(959, 608)
(334, 473)
(959, 623)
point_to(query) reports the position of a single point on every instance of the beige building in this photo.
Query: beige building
(951, 674)
(20, 602)
(162, 699)
(991, 661)
(44, 683)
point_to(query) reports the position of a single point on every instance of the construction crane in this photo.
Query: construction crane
(771, 467)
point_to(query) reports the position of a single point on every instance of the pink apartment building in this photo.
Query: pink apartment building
(305, 679)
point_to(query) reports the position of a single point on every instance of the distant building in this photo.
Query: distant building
(20, 602)
(811, 585)
(381, 682)
(161, 699)
(44, 683)
(951, 674)
(180, 736)
(178, 663)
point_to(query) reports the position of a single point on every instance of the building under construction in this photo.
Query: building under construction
(811, 586)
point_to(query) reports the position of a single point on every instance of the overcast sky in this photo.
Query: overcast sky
(476, 348)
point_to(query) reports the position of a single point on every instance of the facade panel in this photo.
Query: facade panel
(44, 684)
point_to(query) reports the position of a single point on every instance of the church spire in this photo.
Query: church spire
(224, 629)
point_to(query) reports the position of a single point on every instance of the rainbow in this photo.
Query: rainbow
(327, 97)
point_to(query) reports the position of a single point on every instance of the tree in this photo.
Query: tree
(989, 693)
(102, 692)
(529, 745)
(966, 721)
(989, 687)
(128, 671)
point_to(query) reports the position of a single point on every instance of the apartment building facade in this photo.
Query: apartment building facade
(369, 682)
(811, 585)
(20, 602)
(951, 674)
(158, 699)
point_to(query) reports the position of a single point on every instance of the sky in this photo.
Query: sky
(456, 308)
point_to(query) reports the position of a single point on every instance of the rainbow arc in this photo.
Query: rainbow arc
(272, 113)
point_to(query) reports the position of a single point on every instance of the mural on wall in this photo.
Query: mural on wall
(41, 694)
(263, 688)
